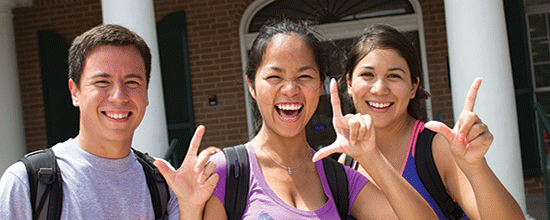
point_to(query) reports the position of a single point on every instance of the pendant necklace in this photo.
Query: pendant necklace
(287, 168)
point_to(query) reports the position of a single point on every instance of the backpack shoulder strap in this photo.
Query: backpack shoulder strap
(45, 184)
(338, 183)
(158, 188)
(236, 186)
(429, 175)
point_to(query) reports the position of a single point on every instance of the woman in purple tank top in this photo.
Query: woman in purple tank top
(383, 79)
(285, 77)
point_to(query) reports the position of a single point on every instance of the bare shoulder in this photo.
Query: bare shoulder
(443, 157)
(214, 209)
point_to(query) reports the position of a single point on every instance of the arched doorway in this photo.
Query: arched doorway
(339, 22)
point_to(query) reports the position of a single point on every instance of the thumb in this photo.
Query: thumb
(441, 129)
(325, 152)
(166, 170)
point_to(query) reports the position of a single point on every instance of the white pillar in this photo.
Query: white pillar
(139, 16)
(12, 130)
(478, 46)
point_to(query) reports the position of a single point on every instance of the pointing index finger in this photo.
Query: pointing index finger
(335, 99)
(195, 142)
(472, 94)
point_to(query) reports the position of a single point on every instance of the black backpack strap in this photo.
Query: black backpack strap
(429, 175)
(338, 182)
(45, 184)
(158, 188)
(236, 186)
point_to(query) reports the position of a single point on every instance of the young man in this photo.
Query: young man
(109, 72)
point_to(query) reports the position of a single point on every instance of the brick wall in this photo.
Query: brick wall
(214, 51)
(67, 20)
(436, 52)
(215, 60)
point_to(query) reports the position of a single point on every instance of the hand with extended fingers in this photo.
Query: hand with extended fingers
(354, 133)
(470, 138)
(194, 182)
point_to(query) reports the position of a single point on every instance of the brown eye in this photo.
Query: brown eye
(394, 76)
(366, 74)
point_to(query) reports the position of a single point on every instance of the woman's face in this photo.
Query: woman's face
(381, 86)
(287, 85)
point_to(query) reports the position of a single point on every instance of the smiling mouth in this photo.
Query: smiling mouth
(380, 105)
(289, 111)
(117, 116)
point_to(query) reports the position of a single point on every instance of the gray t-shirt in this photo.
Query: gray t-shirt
(93, 188)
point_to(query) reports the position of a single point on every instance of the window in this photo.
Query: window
(538, 20)
(325, 12)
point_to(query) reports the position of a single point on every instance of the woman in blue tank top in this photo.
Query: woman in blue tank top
(382, 78)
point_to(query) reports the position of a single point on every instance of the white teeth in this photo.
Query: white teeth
(117, 116)
(379, 105)
(290, 107)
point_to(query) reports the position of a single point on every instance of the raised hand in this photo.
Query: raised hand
(470, 138)
(194, 182)
(354, 133)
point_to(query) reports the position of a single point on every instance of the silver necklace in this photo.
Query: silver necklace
(285, 167)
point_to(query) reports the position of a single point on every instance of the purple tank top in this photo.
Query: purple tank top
(264, 204)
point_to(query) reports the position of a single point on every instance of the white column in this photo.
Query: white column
(478, 46)
(139, 16)
(12, 130)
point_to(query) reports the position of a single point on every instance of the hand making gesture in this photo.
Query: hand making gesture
(470, 138)
(194, 182)
(355, 137)
(354, 133)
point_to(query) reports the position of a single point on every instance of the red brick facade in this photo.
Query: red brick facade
(66, 18)
(214, 53)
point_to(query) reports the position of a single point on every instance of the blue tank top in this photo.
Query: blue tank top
(409, 172)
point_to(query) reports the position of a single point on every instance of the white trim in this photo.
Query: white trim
(335, 31)
(424, 56)
(248, 14)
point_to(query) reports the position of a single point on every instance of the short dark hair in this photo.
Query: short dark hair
(379, 36)
(271, 29)
(107, 34)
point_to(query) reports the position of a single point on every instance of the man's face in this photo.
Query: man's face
(112, 96)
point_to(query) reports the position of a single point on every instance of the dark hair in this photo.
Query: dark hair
(286, 27)
(107, 34)
(380, 36)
